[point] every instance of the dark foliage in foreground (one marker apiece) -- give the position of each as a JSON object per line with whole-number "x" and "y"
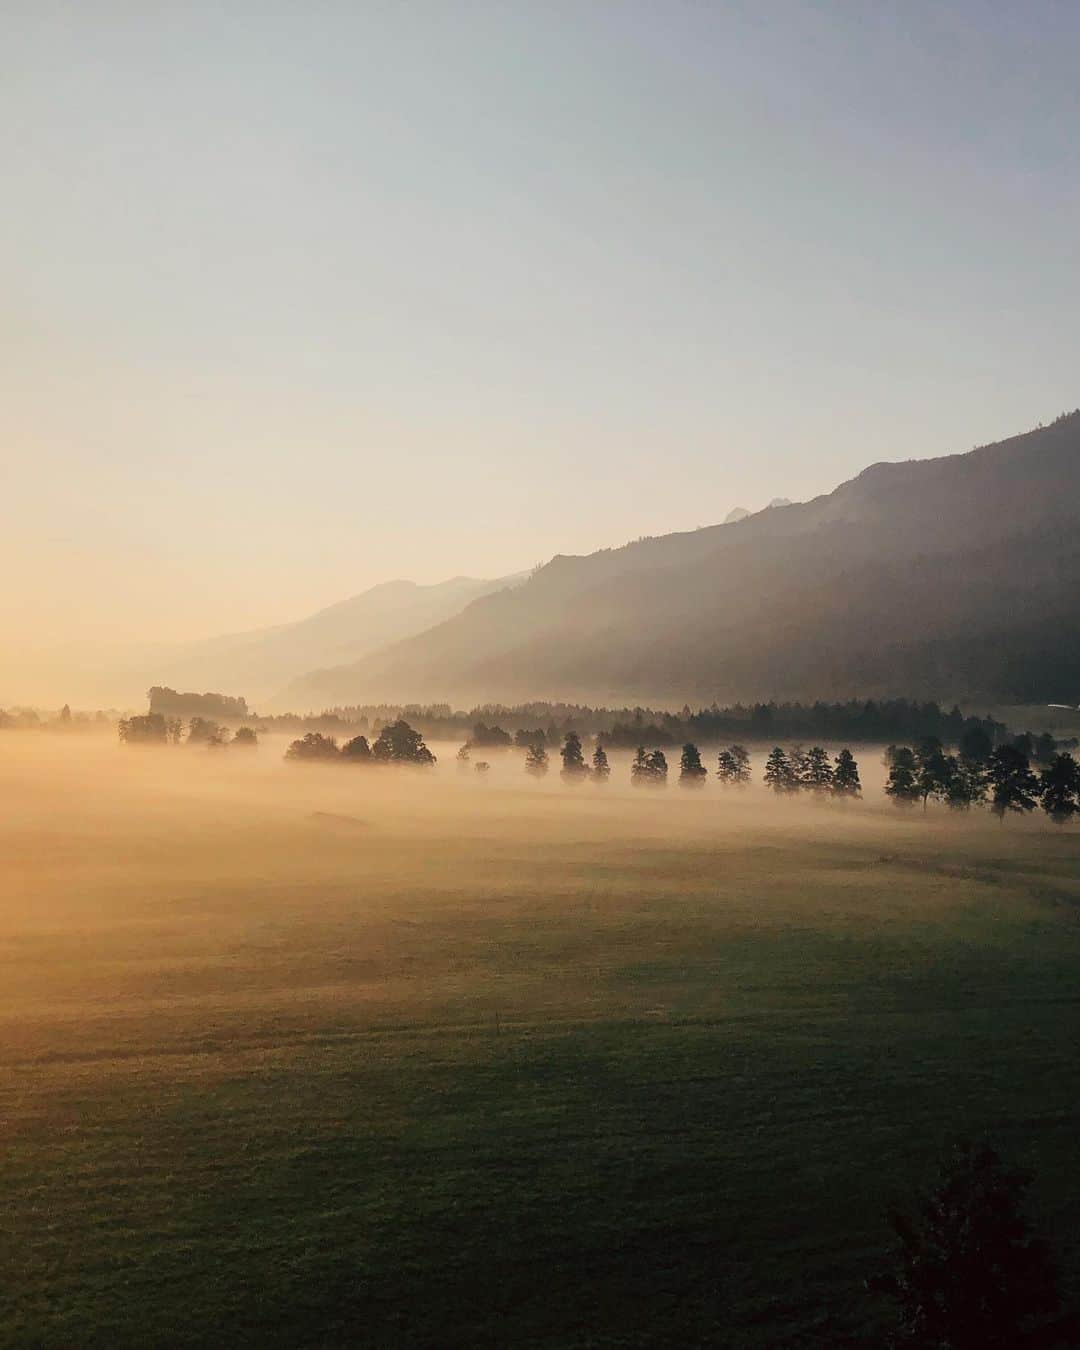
{"x": 971, "y": 1274}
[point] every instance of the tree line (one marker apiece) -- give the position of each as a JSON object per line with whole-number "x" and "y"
{"x": 980, "y": 773}
{"x": 397, "y": 743}
{"x": 976, "y": 773}
{"x": 156, "y": 729}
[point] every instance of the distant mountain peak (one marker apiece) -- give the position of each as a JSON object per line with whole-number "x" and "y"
{"x": 736, "y": 514}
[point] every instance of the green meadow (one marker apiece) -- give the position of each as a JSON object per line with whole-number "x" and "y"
{"x": 298, "y": 1056}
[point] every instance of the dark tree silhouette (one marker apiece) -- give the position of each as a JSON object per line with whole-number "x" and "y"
{"x": 357, "y": 751}
{"x": 815, "y": 771}
{"x": 203, "y": 731}
{"x": 490, "y": 738}
{"x": 639, "y": 769}
{"x": 845, "y": 779}
{"x": 246, "y": 738}
{"x": 656, "y": 769}
{"x": 536, "y": 759}
{"x": 601, "y": 769}
{"x": 1059, "y": 788}
{"x": 975, "y": 744}
{"x": 150, "y": 729}
{"x": 691, "y": 770}
{"x": 780, "y": 773}
{"x": 398, "y": 743}
{"x": 313, "y": 746}
{"x": 733, "y": 766}
{"x": 1013, "y": 786}
{"x": 902, "y": 785}
{"x": 523, "y": 737}
{"x": 573, "y": 759}
{"x": 971, "y": 1274}
{"x": 934, "y": 770}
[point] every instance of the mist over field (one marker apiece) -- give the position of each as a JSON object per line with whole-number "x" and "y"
{"x": 540, "y": 676}
{"x": 305, "y": 1054}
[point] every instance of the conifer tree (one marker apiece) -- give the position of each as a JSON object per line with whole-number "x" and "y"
{"x": 902, "y": 786}
{"x": 536, "y": 759}
{"x": 779, "y": 772}
{"x": 725, "y": 767}
{"x": 639, "y": 769}
{"x": 691, "y": 770}
{"x": 742, "y": 764}
{"x": 601, "y": 769}
{"x": 573, "y": 759}
{"x": 815, "y": 770}
{"x": 1013, "y": 786}
{"x": 845, "y": 779}
{"x": 657, "y": 769}
{"x": 1059, "y": 787}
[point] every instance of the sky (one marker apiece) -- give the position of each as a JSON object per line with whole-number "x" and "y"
{"x": 299, "y": 298}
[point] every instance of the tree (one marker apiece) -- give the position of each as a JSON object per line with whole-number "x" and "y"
{"x": 245, "y": 738}
{"x": 490, "y": 738}
{"x": 536, "y": 759}
{"x": 975, "y": 744}
{"x": 357, "y": 751}
{"x": 463, "y": 757}
{"x": 174, "y": 729}
{"x": 1059, "y": 788}
{"x": 902, "y": 785}
{"x": 933, "y": 770}
{"x": 733, "y": 766}
{"x": 313, "y": 746}
{"x": 815, "y": 771}
{"x": 573, "y": 759}
{"x": 203, "y": 731}
{"x": 523, "y": 737}
{"x": 147, "y": 730}
{"x": 639, "y": 769}
{"x": 779, "y": 771}
{"x": 845, "y": 779}
{"x": 399, "y": 743}
{"x": 971, "y": 1274}
{"x": 691, "y": 770}
{"x": 601, "y": 769}
{"x": 657, "y": 769}
{"x": 741, "y": 757}
{"x": 1013, "y": 786}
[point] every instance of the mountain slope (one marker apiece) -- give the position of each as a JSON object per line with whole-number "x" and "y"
{"x": 260, "y": 662}
{"x": 951, "y": 577}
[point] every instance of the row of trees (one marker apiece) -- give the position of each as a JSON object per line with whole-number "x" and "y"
{"x": 397, "y": 743}
{"x": 979, "y": 774}
{"x": 797, "y": 769}
{"x": 157, "y": 729}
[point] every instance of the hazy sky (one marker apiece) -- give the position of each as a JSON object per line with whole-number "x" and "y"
{"x": 300, "y": 297}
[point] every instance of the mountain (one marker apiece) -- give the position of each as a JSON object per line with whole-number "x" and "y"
{"x": 254, "y": 664}
{"x": 955, "y": 577}
{"x": 258, "y": 663}
{"x": 736, "y": 513}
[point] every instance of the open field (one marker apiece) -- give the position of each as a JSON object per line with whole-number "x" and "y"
{"x": 335, "y": 1056}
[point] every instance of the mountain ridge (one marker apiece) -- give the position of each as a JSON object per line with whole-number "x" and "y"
{"x": 773, "y": 604}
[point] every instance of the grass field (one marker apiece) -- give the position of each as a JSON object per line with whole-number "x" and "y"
{"x": 320, "y": 1057}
